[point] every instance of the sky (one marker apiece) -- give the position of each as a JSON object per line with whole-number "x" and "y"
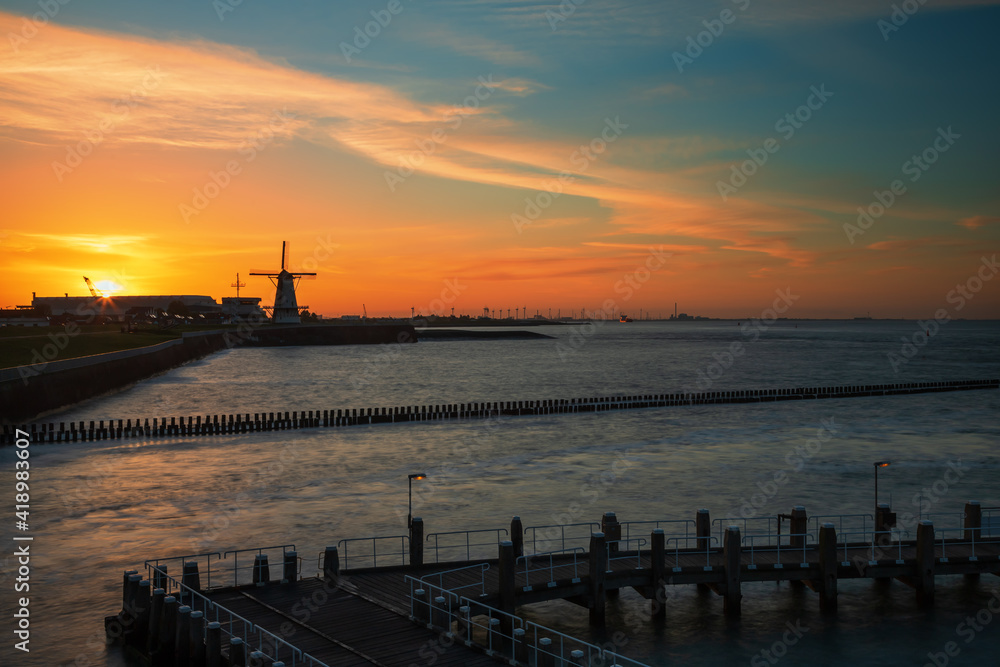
{"x": 474, "y": 154}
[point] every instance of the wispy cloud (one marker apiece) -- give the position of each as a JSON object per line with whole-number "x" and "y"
{"x": 977, "y": 221}
{"x": 466, "y": 43}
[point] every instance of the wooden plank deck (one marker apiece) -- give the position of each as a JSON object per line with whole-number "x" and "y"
{"x": 342, "y": 628}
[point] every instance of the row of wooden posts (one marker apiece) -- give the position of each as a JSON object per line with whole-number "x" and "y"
{"x": 112, "y": 429}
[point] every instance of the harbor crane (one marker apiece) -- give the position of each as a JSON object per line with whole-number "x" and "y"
{"x": 94, "y": 292}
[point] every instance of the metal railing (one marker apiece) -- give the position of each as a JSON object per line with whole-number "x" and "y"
{"x": 990, "y": 522}
{"x": 157, "y": 562}
{"x": 468, "y": 545}
{"x": 773, "y": 545}
{"x": 260, "y": 550}
{"x": 234, "y": 625}
{"x": 771, "y": 525}
{"x": 816, "y": 522}
{"x": 707, "y": 551}
{"x": 871, "y": 539}
{"x": 939, "y": 538}
{"x": 615, "y": 547}
{"x": 556, "y": 534}
{"x": 689, "y": 527}
{"x": 939, "y": 518}
{"x": 398, "y": 557}
{"x": 481, "y": 584}
{"x": 528, "y": 559}
{"x": 506, "y": 636}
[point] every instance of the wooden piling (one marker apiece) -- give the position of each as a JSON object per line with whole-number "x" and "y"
{"x": 190, "y": 578}
{"x": 237, "y": 652}
{"x": 925, "y": 563}
{"x": 167, "y": 629}
{"x": 508, "y": 566}
{"x": 732, "y": 551}
{"x": 828, "y": 564}
{"x": 213, "y": 644}
{"x": 612, "y": 530}
{"x": 658, "y": 568}
{"x": 126, "y": 575}
{"x": 546, "y": 658}
{"x": 598, "y": 572}
{"x": 182, "y": 637}
{"x": 416, "y": 542}
{"x": 140, "y": 617}
{"x": 973, "y": 524}
{"x": 261, "y": 570}
{"x": 331, "y": 565}
{"x": 703, "y": 528}
{"x": 520, "y": 653}
{"x": 196, "y": 641}
{"x": 703, "y": 531}
{"x": 290, "y": 567}
{"x": 464, "y": 625}
{"x": 517, "y": 536}
{"x": 155, "y": 619}
{"x": 421, "y": 607}
{"x": 797, "y": 527}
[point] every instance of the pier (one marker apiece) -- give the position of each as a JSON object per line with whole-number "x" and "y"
{"x": 454, "y": 596}
{"x": 214, "y": 425}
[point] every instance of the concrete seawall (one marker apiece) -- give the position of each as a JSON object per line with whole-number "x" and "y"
{"x": 29, "y": 391}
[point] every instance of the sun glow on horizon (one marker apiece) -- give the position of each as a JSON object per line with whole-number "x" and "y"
{"x": 108, "y": 287}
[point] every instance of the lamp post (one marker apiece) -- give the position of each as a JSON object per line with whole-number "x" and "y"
{"x": 878, "y": 464}
{"x": 409, "y": 483}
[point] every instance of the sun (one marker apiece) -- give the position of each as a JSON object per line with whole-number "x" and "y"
{"x": 108, "y": 287}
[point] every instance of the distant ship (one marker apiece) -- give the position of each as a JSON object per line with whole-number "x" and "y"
{"x": 624, "y": 318}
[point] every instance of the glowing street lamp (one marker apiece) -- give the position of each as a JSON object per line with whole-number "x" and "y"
{"x": 878, "y": 464}
{"x": 409, "y": 513}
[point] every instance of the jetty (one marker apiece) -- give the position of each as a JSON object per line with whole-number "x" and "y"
{"x": 214, "y": 425}
{"x": 452, "y": 598}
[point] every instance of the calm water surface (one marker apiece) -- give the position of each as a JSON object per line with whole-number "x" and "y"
{"x": 100, "y": 508}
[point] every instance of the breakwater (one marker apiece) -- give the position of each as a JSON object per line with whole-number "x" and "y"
{"x": 26, "y": 391}
{"x": 210, "y": 425}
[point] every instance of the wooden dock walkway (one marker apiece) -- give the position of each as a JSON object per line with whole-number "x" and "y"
{"x": 463, "y": 612}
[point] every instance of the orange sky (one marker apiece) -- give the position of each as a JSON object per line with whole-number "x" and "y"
{"x": 157, "y": 115}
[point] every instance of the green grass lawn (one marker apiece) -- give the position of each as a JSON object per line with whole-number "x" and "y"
{"x": 26, "y": 345}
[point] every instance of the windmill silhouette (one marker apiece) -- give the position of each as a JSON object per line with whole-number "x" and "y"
{"x": 286, "y": 309}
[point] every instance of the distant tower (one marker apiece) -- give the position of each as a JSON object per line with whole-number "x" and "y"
{"x": 238, "y": 285}
{"x": 286, "y": 308}
{"x": 675, "y": 310}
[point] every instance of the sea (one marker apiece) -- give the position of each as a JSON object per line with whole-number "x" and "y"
{"x": 100, "y": 508}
